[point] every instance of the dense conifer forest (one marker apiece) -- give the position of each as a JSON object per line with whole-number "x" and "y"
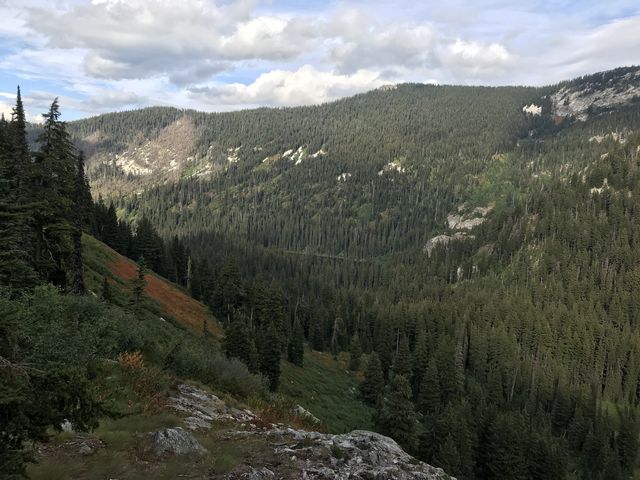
{"x": 477, "y": 263}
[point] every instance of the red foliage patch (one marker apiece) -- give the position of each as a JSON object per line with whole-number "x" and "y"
{"x": 172, "y": 300}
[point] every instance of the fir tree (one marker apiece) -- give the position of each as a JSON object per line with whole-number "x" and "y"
{"x": 317, "y": 336}
{"x": 429, "y": 396}
{"x": 75, "y": 277}
{"x": 16, "y": 269}
{"x": 20, "y": 170}
{"x": 106, "y": 293}
{"x": 373, "y": 384}
{"x": 237, "y": 340}
{"x": 627, "y": 442}
{"x": 138, "y": 284}
{"x": 397, "y": 417}
{"x": 355, "y": 352}
{"x": 448, "y": 456}
{"x": 149, "y": 245}
{"x": 270, "y": 358}
{"x": 420, "y": 362}
{"x": 295, "y": 348}
{"x": 336, "y": 335}
{"x": 229, "y": 291}
{"x": 54, "y": 177}
{"x": 402, "y": 361}
{"x": 386, "y": 346}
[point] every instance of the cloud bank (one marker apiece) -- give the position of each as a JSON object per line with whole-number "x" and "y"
{"x": 104, "y": 55}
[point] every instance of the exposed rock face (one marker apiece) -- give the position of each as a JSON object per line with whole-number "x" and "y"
{"x": 463, "y": 221}
{"x": 356, "y": 455}
{"x": 470, "y": 220}
{"x": 176, "y": 441}
{"x": 458, "y": 222}
{"x": 596, "y": 94}
{"x": 533, "y": 110}
{"x": 444, "y": 240}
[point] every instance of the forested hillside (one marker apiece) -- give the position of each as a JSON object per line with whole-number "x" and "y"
{"x": 472, "y": 250}
{"x": 481, "y": 241}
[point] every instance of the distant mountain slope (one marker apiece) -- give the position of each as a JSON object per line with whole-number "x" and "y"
{"x": 371, "y": 175}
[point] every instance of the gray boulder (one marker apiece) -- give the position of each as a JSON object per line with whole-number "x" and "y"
{"x": 174, "y": 441}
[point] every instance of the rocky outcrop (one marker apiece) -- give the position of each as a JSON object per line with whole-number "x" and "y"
{"x": 444, "y": 240}
{"x": 282, "y": 452}
{"x": 173, "y": 441}
{"x": 468, "y": 220}
{"x": 597, "y": 93}
{"x": 533, "y": 110}
{"x": 202, "y": 408}
{"x": 463, "y": 220}
{"x": 356, "y": 455}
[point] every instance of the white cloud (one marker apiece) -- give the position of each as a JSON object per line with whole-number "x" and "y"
{"x": 304, "y": 86}
{"x": 7, "y": 102}
{"x": 384, "y": 47}
{"x": 139, "y": 38}
{"x": 475, "y": 58}
{"x": 225, "y": 54}
{"x": 5, "y": 109}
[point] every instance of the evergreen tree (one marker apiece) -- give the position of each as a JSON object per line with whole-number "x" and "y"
{"x": 106, "y": 293}
{"x": 295, "y": 348}
{"x": 448, "y": 455}
{"x": 109, "y": 228}
{"x": 54, "y": 177}
{"x": 137, "y": 285}
{"x": 149, "y": 245}
{"x": 270, "y": 357}
{"x": 237, "y": 340}
{"x": 505, "y": 448}
{"x": 397, "y": 417}
{"x": 16, "y": 269}
{"x": 402, "y": 361}
{"x": 627, "y": 443}
{"x": 20, "y": 168}
{"x": 317, "y": 336}
{"x": 75, "y": 276}
{"x": 386, "y": 346}
{"x": 229, "y": 291}
{"x": 355, "y": 352}
{"x": 420, "y": 362}
{"x": 429, "y": 396}
{"x": 372, "y": 385}
{"x": 337, "y": 333}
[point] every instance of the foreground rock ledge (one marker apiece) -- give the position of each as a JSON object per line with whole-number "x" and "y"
{"x": 290, "y": 453}
{"x": 356, "y": 455}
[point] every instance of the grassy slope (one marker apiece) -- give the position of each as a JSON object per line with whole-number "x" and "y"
{"x": 324, "y": 386}
{"x": 167, "y": 299}
{"x": 327, "y": 389}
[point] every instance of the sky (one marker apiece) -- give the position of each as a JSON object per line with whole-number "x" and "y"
{"x": 100, "y": 56}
